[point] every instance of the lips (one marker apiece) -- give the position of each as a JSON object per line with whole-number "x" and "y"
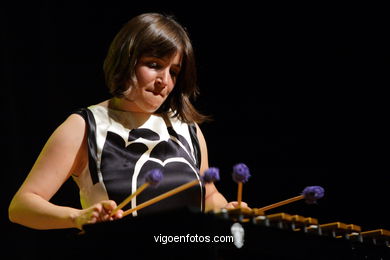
{"x": 156, "y": 93}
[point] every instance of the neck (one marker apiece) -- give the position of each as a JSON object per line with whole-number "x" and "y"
{"x": 122, "y": 104}
{"x": 125, "y": 105}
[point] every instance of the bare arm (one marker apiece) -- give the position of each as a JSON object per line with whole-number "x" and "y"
{"x": 214, "y": 199}
{"x": 64, "y": 154}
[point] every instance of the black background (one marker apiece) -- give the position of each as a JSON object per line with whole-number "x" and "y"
{"x": 297, "y": 93}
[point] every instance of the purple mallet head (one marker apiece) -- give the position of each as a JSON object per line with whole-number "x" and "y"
{"x": 153, "y": 177}
{"x": 211, "y": 175}
{"x": 313, "y": 193}
{"x": 241, "y": 173}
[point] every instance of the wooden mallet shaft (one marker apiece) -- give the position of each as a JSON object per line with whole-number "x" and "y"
{"x": 130, "y": 197}
{"x": 281, "y": 203}
{"x": 239, "y": 194}
{"x": 162, "y": 196}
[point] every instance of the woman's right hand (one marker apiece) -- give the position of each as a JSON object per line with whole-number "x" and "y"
{"x": 97, "y": 213}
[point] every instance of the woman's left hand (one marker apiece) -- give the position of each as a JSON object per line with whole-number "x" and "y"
{"x": 234, "y": 205}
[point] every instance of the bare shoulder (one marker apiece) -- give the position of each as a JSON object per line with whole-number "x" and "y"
{"x": 65, "y": 150}
{"x": 68, "y": 140}
{"x": 74, "y": 121}
{"x": 203, "y": 150}
{"x": 200, "y": 135}
{"x": 71, "y": 129}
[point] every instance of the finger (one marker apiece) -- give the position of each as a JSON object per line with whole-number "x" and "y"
{"x": 229, "y": 206}
{"x": 244, "y": 205}
{"x": 98, "y": 212}
{"x": 105, "y": 217}
{"x": 109, "y": 205}
{"x": 98, "y": 207}
{"x": 118, "y": 214}
{"x": 234, "y": 204}
{"x": 93, "y": 217}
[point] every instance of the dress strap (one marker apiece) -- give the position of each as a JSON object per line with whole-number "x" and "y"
{"x": 91, "y": 140}
{"x": 195, "y": 143}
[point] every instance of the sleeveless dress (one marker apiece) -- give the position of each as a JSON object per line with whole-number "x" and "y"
{"x": 120, "y": 157}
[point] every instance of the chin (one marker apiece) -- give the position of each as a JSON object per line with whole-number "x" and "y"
{"x": 152, "y": 109}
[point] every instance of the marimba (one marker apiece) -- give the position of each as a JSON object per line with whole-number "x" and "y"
{"x": 273, "y": 236}
{"x": 369, "y": 244}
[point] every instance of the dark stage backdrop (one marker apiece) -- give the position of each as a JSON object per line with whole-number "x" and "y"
{"x": 296, "y": 93}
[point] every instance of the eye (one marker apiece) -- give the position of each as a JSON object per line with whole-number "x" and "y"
{"x": 153, "y": 65}
{"x": 174, "y": 73}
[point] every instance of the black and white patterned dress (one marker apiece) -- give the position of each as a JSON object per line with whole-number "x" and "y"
{"x": 120, "y": 157}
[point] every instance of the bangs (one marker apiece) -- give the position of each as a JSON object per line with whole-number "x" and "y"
{"x": 159, "y": 50}
{"x": 161, "y": 40}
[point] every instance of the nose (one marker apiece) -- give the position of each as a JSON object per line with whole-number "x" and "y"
{"x": 163, "y": 78}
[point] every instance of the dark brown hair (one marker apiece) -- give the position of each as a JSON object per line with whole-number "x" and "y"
{"x": 154, "y": 34}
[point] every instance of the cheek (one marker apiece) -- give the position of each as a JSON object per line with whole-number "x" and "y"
{"x": 144, "y": 75}
{"x": 170, "y": 88}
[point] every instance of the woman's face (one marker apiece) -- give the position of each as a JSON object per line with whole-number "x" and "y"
{"x": 155, "y": 79}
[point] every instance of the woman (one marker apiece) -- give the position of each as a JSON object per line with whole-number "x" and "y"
{"x": 109, "y": 147}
